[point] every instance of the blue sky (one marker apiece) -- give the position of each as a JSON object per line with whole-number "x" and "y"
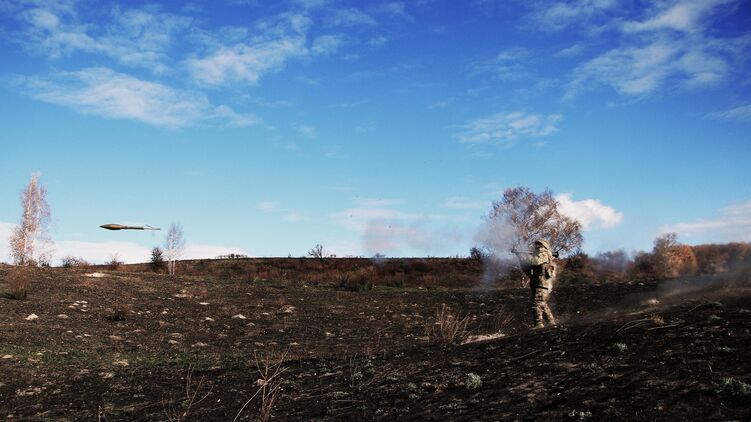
{"x": 268, "y": 127}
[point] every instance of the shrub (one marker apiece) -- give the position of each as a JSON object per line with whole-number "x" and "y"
{"x": 473, "y": 381}
{"x": 17, "y": 282}
{"x": 733, "y": 387}
{"x": 73, "y": 262}
{"x": 447, "y": 328}
{"x": 359, "y": 280}
{"x": 157, "y": 262}
{"x": 114, "y": 263}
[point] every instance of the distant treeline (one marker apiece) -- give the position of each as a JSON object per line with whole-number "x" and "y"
{"x": 668, "y": 259}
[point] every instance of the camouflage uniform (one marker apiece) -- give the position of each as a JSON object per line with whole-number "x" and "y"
{"x": 541, "y": 274}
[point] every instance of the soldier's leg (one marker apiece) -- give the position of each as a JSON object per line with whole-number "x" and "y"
{"x": 538, "y": 303}
{"x": 547, "y": 313}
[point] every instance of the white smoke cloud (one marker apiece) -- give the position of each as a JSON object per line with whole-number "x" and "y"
{"x": 591, "y": 213}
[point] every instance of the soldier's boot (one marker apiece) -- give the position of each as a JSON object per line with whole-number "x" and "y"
{"x": 549, "y": 316}
{"x": 537, "y": 317}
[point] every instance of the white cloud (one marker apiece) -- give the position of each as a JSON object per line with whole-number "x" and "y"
{"x": 635, "y": 71}
{"x": 733, "y": 223}
{"x": 506, "y": 65}
{"x": 740, "y": 113}
{"x": 103, "y": 92}
{"x": 505, "y": 128}
{"x": 591, "y": 213}
{"x": 5, "y": 231}
{"x": 669, "y": 48}
{"x": 358, "y": 218}
{"x": 326, "y": 44}
{"x": 307, "y": 131}
{"x": 101, "y": 252}
{"x": 685, "y": 16}
{"x": 372, "y": 203}
{"x": 461, "y": 203}
{"x": 133, "y": 37}
{"x": 246, "y": 63}
{"x": 351, "y": 17}
{"x": 556, "y": 16}
{"x": 268, "y": 206}
{"x": 271, "y": 207}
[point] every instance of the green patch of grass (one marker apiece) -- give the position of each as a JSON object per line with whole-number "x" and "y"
{"x": 732, "y": 387}
{"x": 618, "y": 348}
{"x": 473, "y": 381}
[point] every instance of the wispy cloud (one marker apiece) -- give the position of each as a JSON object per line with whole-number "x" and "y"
{"x": 740, "y": 114}
{"x": 327, "y": 44}
{"x": 559, "y": 15}
{"x": 350, "y": 17}
{"x": 248, "y": 62}
{"x": 506, "y": 128}
{"x": 138, "y": 37}
{"x": 273, "y": 207}
{"x": 685, "y": 16}
{"x": 461, "y": 203}
{"x": 506, "y": 65}
{"x": 106, "y": 93}
{"x": 307, "y": 131}
{"x": 668, "y": 48}
{"x": 591, "y": 213}
{"x": 732, "y": 223}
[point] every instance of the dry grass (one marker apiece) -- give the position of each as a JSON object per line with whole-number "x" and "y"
{"x": 17, "y": 282}
{"x": 447, "y": 328}
{"x": 270, "y": 371}
{"x": 192, "y": 391}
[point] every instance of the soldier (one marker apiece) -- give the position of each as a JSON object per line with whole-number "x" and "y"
{"x": 541, "y": 271}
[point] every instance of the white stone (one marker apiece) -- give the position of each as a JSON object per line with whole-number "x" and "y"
{"x": 239, "y": 316}
{"x": 32, "y": 317}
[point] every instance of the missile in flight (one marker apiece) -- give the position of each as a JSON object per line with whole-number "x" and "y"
{"x": 121, "y": 227}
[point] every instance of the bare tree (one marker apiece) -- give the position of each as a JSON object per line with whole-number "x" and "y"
{"x": 174, "y": 244}
{"x": 523, "y": 216}
{"x": 317, "y": 252}
{"x": 30, "y": 243}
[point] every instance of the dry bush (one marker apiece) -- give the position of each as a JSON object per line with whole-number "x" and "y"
{"x": 192, "y": 391}
{"x": 447, "y": 328}
{"x": 114, "y": 262}
{"x": 270, "y": 371}
{"x": 359, "y": 280}
{"x": 17, "y": 282}
{"x": 74, "y": 262}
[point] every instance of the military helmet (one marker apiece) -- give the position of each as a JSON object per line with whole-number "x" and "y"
{"x": 543, "y": 242}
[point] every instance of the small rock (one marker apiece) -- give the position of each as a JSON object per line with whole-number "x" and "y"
{"x": 239, "y": 316}
{"x": 121, "y": 363}
{"x": 199, "y": 344}
{"x": 116, "y": 338}
{"x": 96, "y": 275}
{"x": 32, "y": 317}
{"x": 210, "y": 319}
{"x": 62, "y": 316}
{"x": 203, "y": 303}
{"x": 173, "y": 342}
{"x": 7, "y": 356}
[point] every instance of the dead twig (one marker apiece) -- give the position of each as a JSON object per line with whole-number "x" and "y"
{"x": 191, "y": 393}
{"x": 268, "y": 386}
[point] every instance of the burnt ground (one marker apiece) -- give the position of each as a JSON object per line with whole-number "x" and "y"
{"x": 120, "y": 347}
